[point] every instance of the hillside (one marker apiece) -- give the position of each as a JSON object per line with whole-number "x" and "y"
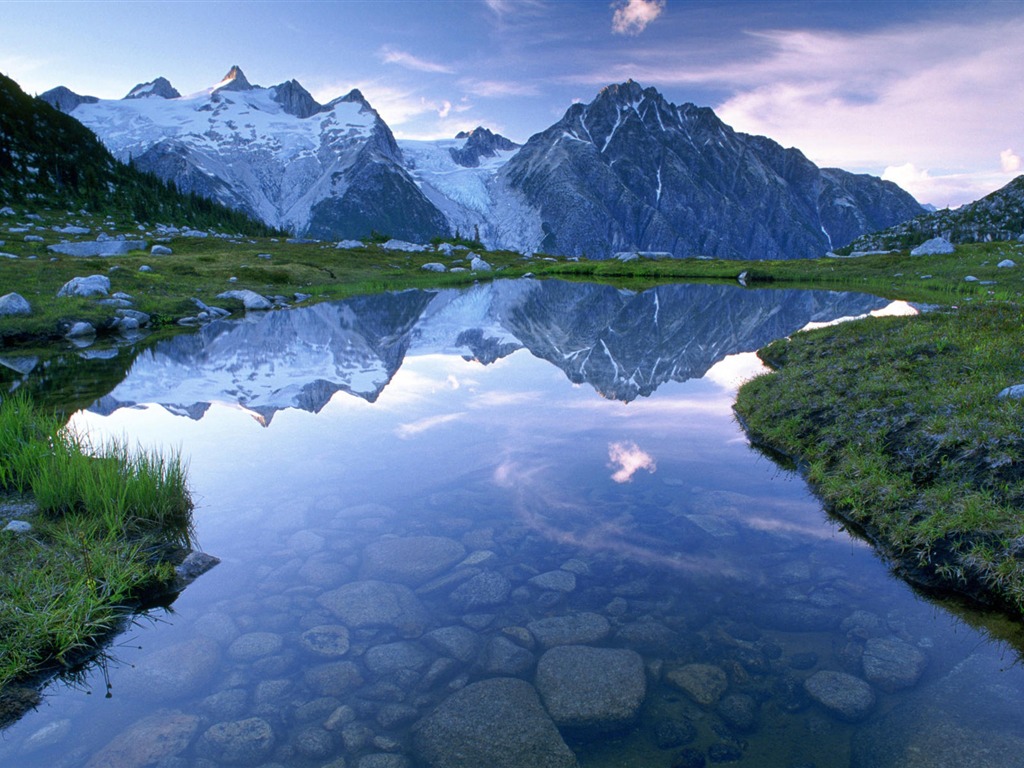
{"x": 48, "y": 159}
{"x": 995, "y": 217}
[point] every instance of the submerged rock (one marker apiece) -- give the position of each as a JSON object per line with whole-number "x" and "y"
{"x": 893, "y": 664}
{"x": 498, "y": 723}
{"x": 149, "y": 741}
{"x": 704, "y": 683}
{"x": 373, "y": 603}
{"x": 573, "y": 629}
{"x": 484, "y": 590}
{"x": 410, "y": 560}
{"x": 592, "y": 688}
{"x": 847, "y": 697}
{"x": 238, "y": 742}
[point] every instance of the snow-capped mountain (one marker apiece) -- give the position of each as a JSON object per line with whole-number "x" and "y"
{"x": 629, "y": 171}
{"x": 329, "y": 171}
{"x": 622, "y": 343}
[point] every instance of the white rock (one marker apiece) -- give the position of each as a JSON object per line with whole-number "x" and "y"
{"x": 434, "y": 266}
{"x": 14, "y": 304}
{"x": 160, "y": 250}
{"x": 6, "y": 211}
{"x": 402, "y": 245}
{"x": 1006, "y": 263}
{"x": 479, "y": 265}
{"x": 93, "y": 285}
{"x": 249, "y": 299}
{"x": 934, "y": 247}
{"x": 80, "y": 329}
{"x": 347, "y": 244}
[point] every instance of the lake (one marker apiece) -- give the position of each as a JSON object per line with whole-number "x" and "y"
{"x": 516, "y": 525}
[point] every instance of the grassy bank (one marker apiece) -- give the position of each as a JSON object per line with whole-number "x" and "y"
{"x": 103, "y": 527}
{"x": 898, "y": 425}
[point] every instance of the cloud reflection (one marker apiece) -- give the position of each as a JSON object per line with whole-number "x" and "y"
{"x": 629, "y": 459}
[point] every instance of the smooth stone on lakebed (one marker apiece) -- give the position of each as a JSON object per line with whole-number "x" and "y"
{"x": 254, "y": 645}
{"x": 484, "y": 590}
{"x": 326, "y": 640}
{"x": 704, "y": 683}
{"x": 238, "y": 742}
{"x": 591, "y": 688}
{"x": 390, "y": 658}
{"x": 893, "y": 664}
{"x": 556, "y": 581}
{"x": 410, "y": 560}
{"x": 503, "y": 657}
{"x": 457, "y": 642}
{"x": 367, "y": 604}
{"x": 498, "y": 723}
{"x": 572, "y": 629}
{"x": 178, "y": 670}
{"x": 149, "y": 741}
{"x": 847, "y": 697}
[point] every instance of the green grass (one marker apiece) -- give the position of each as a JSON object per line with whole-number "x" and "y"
{"x": 103, "y": 523}
{"x": 900, "y": 429}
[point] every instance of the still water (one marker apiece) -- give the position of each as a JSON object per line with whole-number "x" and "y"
{"x": 512, "y": 526}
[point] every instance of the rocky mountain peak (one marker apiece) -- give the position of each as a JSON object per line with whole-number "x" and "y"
{"x": 296, "y": 100}
{"x": 480, "y": 142}
{"x": 65, "y": 99}
{"x": 161, "y": 87}
{"x": 234, "y": 80}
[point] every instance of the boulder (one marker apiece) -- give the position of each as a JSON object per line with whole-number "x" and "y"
{"x": 1006, "y": 263}
{"x": 1014, "y": 392}
{"x": 178, "y": 670}
{"x": 704, "y": 683}
{"x": 93, "y": 285}
{"x": 498, "y": 723}
{"x": 484, "y": 590}
{"x": 80, "y": 330}
{"x": 160, "y": 250}
{"x": 14, "y": 304}
{"x": 479, "y": 265}
{"x": 149, "y": 741}
{"x": 503, "y": 657}
{"x": 410, "y": 560}
{"x": 457, "y": 642}
{"x": 893, "y": 664}
{"x": 934, "y": 247}
{"x": 238, "y": 742}
{"x": 98, "y": 247}
{"x": 847, "y": 697}
{"x": 392, "y": 658}
{"x": 326, "y": 640}
{"x": 349, "y": 244}
{"x": 572, "y": 629}
{"x": 556, "y": 581}
{"x": 591, "y": 688}
{"x": 370, "y": 603}
{"x": 250, "y": 299}
{"x": 434, "y": 266}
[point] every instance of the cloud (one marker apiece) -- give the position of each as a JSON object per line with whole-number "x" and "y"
{"x": 413, "y": 428}
{"x": 1010, "y": 161}
{"x": 629, "y": 459}
{"x": 631, "y": 17}
{"x": 391, "y": 55}
{"x": 446, "y": 107}
{"x": 492, "y": 88}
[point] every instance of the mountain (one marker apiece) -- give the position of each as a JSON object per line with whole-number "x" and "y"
{"x": 998, "y": 216}
{"x": 629, "y": 171}
{"x": 624, "y": 344}
{"x": 47, "y": 157}
{"x": 324, "y": 171}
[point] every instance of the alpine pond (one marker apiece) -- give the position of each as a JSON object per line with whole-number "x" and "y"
{"x": 512, "y": 526}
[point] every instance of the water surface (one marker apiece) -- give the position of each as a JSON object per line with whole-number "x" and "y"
{"x": 413, "y": 494}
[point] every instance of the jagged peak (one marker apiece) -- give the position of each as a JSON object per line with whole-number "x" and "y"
{"x": 480, "y": 142}
{"x": 64, "y": 99}
{"x": 160, "y": 87}
{"x": 296, "y": 100}
{"x": 234, "y": 80}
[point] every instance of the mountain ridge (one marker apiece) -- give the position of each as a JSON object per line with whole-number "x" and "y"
{"x": 627, "y": 172}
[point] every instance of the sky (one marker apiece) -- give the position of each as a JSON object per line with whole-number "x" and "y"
{"x": 926, "y": 93}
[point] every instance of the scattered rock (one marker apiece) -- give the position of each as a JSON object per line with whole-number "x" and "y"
{"x": 326, "y": 640}
{"x": 482, "y": 591}
{"x": 98, "y": 247}
{"x": 1006, "y": 263}
{"x": 80, "y": 330}
{"x": 402, "y": 245}
{"x": 458, "y": 642}
{"x": 410, "y": 560}
{"x": 704, "y": 683}
{"x": 847, "y": 697}
{"x": 18, "y": 526}
{"x": 505, "y": 658}
{"x": 1015, "y": 392}
{"x": 14, "y": 304}
{"x": 250, "y": 299}
{"x": 377, "y": 604}
{"x": 591, "y": 688}
{"x": 571, "y": 629}
{"x": 556, "y": 581}
{"x": 739, "y": 711}
{"x": 238, "y": 742}
{"x": 93, "y": 285}
{"x": 349, "y": 244}
{"x": 479, "y": 265}
{"x": 33, "y": 239}
{"x": 181, "y": 669}
{"x": 893, "y": 664}
{"x": 391, "y": 658}
{"x": 254, "y": 645}
{"x": 434, "y": 266}
{"x": 498, "y": 723}
{"x": 160, "y": 250}
{"x": 934, "y": 247}
{"x": 149, "y": 741}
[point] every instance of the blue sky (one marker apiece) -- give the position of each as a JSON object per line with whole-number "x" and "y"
{"x": 924, "y": 93}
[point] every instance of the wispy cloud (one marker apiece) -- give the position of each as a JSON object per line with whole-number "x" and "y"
{"x": 413, "y": 428}
{"x": 629, "y": 459}
{"x": 631, "y": 17}
{"x": 405, "y": 59}
{"x": 493, "y": 88}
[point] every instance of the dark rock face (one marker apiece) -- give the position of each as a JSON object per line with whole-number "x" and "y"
{"x": 65, "y": 99}
{"x": 161, "y": 88}
{"x": 630, "y": 171}
{"x": 296, "y": 100}
{"x": 480, "y": 143}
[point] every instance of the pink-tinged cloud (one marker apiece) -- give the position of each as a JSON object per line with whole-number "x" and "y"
{"x": 631, "y": 17}
{"x": 629, "y": 459}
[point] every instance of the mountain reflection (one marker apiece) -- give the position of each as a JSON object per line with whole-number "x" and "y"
{"x": 622, "y": 343}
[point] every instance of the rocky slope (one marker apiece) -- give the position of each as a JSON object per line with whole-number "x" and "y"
{"x": 998, "y": 216}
